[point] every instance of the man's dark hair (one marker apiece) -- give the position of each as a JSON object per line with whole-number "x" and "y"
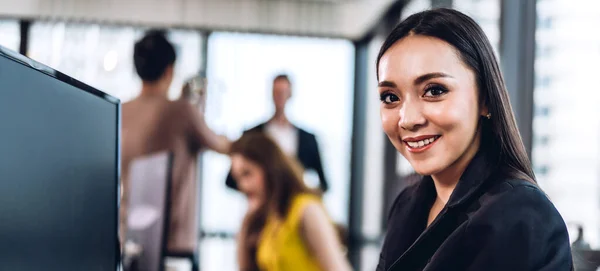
{"x": 152, "y": 55}
{"x": 282, "y": 77}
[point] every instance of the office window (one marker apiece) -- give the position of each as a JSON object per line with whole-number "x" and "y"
{"x": 487, "y": 14}
{"x": 544, "y": 22}
{"x": 566, "y": 167}
{"x": 376, "y": 187}
{"x": 218, "y": 254}
{"x": 240, "y": 74}
{"x": 102, "y": 55}
{"x": 10, "y": 35}
{"x": 542, "y": 139}
{"x": 542, "y": 111}
{"x": 541, "y": 170}
{"x": 414, "y": 6}
{"x": 370, "y": 257}
{"x": 543, "y": 51}
{"x": 543, "y": 82}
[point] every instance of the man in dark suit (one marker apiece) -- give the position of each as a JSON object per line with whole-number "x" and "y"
{"x": 294, "y": 141}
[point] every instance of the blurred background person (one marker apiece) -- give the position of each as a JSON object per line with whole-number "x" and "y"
{"x": 152, "y": 123}
{"x": 286, "y": 226}
{"x": 293, "y": 141}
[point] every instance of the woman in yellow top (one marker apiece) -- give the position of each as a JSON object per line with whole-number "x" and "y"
{"x": 286, "y": 227}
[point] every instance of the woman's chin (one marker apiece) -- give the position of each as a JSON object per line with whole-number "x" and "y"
{"x": 424, "y": 169}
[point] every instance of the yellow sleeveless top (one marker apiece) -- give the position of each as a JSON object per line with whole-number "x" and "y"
{"x": 281, "y": 247}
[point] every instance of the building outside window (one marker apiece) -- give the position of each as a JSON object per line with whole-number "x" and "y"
{"x": 566, "y": 149}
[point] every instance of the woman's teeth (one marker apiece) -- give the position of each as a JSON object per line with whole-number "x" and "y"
{"x": 421, "y": 143}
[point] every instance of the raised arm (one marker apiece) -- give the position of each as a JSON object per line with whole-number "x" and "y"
{"x": 201, "y": 134}
{"x": 322, "y": 240}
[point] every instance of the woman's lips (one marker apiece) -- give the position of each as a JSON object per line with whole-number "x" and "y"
{"x": 420, "y": 143}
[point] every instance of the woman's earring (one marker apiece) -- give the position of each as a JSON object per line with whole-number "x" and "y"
{"x": 488, "y": 116}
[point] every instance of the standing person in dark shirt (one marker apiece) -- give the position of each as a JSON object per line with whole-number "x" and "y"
{"x": 294, "y": 141}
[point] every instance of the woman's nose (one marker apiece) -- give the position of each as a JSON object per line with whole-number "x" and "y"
{"x": 411, "y": 116}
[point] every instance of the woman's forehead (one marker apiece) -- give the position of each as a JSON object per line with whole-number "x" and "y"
{"x": 416, "y": 55}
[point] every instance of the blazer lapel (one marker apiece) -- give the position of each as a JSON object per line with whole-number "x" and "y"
{"x": 469, "y": 188}
{"x": 412, "y": 258}
{"x": 418, "y": 254}
{"x": 413, "y": 214}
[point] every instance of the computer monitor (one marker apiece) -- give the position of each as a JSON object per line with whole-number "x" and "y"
{"x": 59, "y": 170}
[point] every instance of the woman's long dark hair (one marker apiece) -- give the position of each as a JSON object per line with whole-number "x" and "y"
{"x": 500, "y": 136}
{"x": 283, "y": 181}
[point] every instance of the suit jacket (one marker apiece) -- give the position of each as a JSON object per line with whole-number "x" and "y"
{"x": 308, "y": 155}
{"x": 490, "y": 222}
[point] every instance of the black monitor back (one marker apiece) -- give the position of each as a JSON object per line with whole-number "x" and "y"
{"x": 59, "y": 170}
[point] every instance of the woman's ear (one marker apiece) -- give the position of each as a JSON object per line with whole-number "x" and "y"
{"x": 484, "y": 111}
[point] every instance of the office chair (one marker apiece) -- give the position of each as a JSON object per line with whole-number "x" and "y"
{"x": 148, "y": 212}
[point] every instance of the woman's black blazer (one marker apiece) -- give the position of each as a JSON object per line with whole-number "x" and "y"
{"x": 489, "y": 223}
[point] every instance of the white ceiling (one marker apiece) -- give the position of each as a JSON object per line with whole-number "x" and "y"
{"x": 335, "y": 18}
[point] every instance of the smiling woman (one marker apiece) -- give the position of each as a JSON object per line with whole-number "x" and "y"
{"x": 443, "y": 94}
{"x": 445, "y": 108}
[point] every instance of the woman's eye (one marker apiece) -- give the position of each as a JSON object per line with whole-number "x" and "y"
{"x": 435, "y": 91}
{"x": 388, "y": 98}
